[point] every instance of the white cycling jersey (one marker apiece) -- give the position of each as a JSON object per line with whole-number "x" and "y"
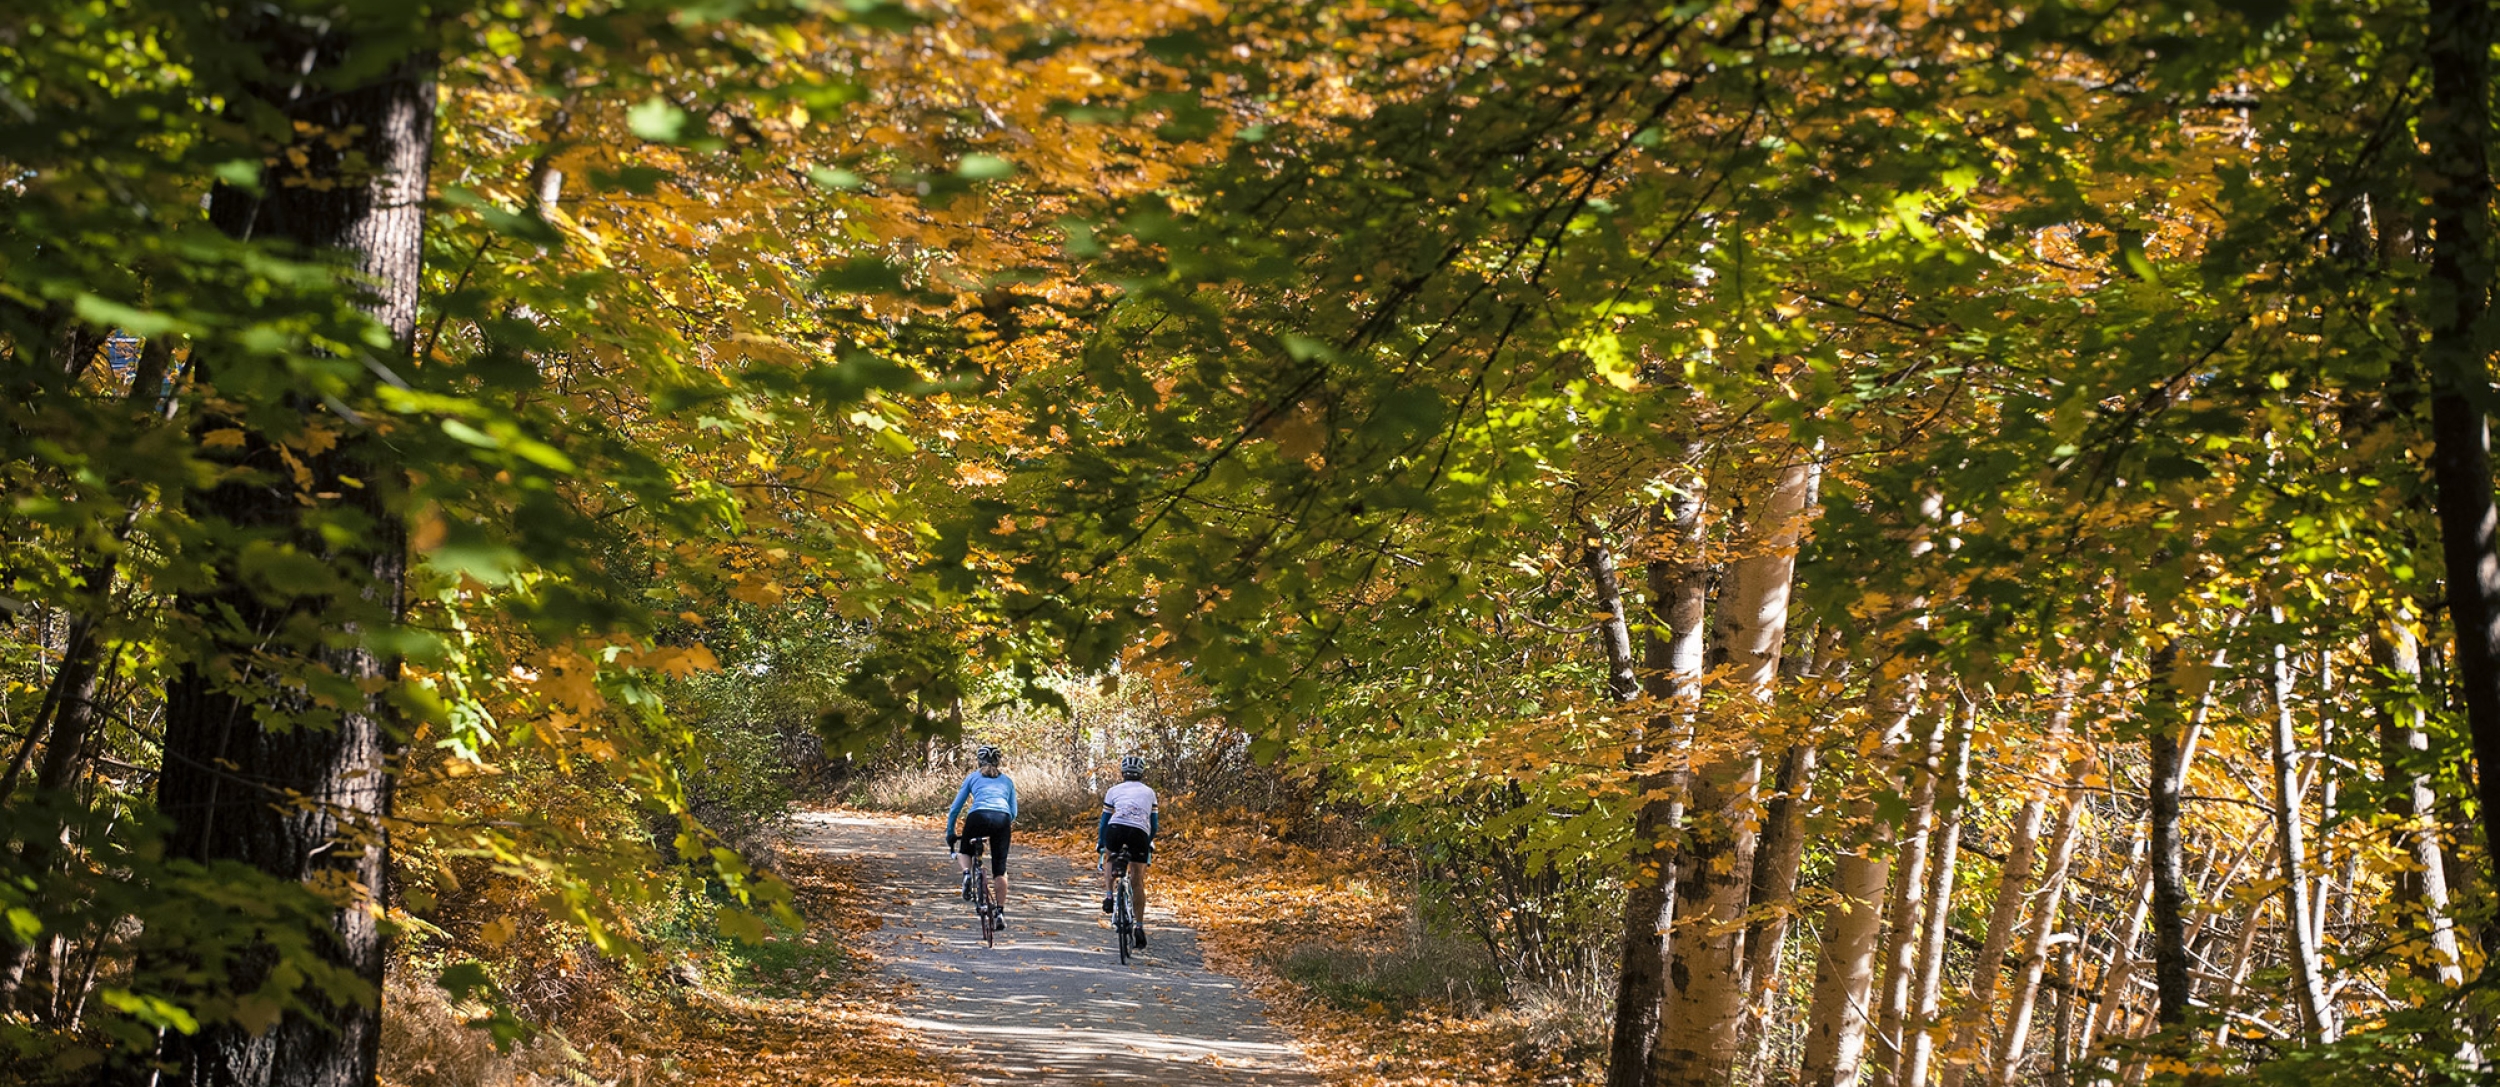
{"x": 1132, "y": 804}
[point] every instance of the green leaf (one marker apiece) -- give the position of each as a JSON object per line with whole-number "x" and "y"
{"x": 984, "y": 168}
{"x": 657, "y": 119}
{"x": 243, "y": 174}
{"x": 860, "y": 275}
{"x": 110, "y": 314}
{"x": 464, "y": 979}
{"x": 836, "y": 178}
{"x": 472, "y": 435}
{"x": 154, "y": 1011}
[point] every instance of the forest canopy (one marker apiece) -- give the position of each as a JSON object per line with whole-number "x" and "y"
{"x": 1871, "y": 543}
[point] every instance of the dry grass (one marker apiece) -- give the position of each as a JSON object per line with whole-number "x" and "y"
{"x": 1049, "y": 795}
{"x": 1564, "y": 1026}
{"x": 426, "y": 1043}
{"x": 1426, "y": 973}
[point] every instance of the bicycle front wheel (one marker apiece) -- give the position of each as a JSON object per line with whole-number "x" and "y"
{"x": 989, "y": 916}
{"x": 1125, "y": 924}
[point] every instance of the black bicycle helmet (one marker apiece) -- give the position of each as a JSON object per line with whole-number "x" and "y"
{"x": 988, "y": 755}
{"x": 1132, "y": 767}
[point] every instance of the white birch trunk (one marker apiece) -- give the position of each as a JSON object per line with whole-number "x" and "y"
{"x": 1842, "y": 1010}
{"x": 1701, "y": 1031}
{"x": 2042, "y": 938}
{"x": 2308, "y": 974}
{"x": 1844, "y": 972}
{"x": 1920, "y": 1039}
{"x": 2402, "y": 739}
{"x": 1909, "y": 900}
{"x": 2121, "y": 964}
{"x": 2012, "y": 880}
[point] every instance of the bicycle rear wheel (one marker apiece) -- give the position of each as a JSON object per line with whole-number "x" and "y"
{"x": 1122, "y": 923}
{"x": 989, "y": 916}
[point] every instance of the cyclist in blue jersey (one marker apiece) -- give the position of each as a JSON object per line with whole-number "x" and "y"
{"x": 1130, "y": 820}
{"x": 991, "y": 798}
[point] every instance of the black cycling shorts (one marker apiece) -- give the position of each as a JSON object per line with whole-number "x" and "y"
{"x": 1139, "y": 844}
{"x": 998, "y": 827}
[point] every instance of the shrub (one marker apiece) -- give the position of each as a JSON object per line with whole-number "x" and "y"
{"x": 1431, "y": 972}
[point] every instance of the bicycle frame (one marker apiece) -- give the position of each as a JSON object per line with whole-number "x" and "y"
{"x": 1123, "y": 918}
{"x": 981, "y": 892}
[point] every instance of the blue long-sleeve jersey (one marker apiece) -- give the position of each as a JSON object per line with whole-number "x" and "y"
{"x": 983, "y": 793}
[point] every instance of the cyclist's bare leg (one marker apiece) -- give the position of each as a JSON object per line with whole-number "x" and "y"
{"x": 1137, "y": 889}
{"x": 998, "y": 897}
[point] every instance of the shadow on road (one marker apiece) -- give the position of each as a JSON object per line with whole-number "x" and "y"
{"x": 1051, "y": 1004}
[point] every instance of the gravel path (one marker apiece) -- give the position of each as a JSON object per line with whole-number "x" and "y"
{"x": 1051, "y": 1004}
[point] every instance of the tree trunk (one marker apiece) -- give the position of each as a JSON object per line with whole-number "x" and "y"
{"x": 2309, "y": 982}
{"x": 2120, "y": 969}
{"x": 2330, "y": 790}
{"x": 2242, "y": 959}
{"x": 1774, "y": 889}
{"x": 1919, "y": 1042}
{"x": 68, "y": 712}
{"x": 2403, "y": 756}
{"x": 2042, "y": 939}
{"x": 2169, "y": 857}
{"x": 258, "y": 770}
{"x": 1673, "y": 653}
{"x": 2012, "y": 880}
{"x": 2455, "y": 129}
{"x": 2172, "y": 740}
{"x": 1701, "y": 1032}
{"x": 1841, "y": 1012}
{"x": 1909, "y": 899}
{"x": 1844, "y": 971}
{"x": 2062, "y": 1037}
{"x": 1614, "y": 633}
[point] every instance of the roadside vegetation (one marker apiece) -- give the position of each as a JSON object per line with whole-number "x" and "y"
{"x": 1717, "y": 544}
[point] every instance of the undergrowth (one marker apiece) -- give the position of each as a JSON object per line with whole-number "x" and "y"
{"x": 1050, "y": 794}
{"x": 1434, "y": 972}
{"x": 698, "y": 1010}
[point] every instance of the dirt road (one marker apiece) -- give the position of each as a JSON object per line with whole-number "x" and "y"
{"x": 1051, "y": 1004}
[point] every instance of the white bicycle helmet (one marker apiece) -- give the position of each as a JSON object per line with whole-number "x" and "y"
{"x": 1132, "y": 767}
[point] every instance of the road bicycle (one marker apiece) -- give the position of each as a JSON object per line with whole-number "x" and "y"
{"x": 1124, "y": 919}
{"x": 981, "y": 906}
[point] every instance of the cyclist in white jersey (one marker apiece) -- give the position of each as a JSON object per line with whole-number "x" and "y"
{"x": 1129, "y": 821}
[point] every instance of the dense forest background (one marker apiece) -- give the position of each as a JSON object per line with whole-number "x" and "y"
{"x": 1825, "y": 542}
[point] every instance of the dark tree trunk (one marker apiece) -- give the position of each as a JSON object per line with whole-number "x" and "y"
{"x": 275, "y": 728}
{"x": 1672, "y": 652}
{"x": 74, "y": 719}
{"x": 68, "y": 712}
{"x": 1776, "y": 863}
{"x": 2170, "y": 895}
{"x": 67, "y": 719}
{"x": 2455, "y": 128}
{"x": 1614, "y": 630}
